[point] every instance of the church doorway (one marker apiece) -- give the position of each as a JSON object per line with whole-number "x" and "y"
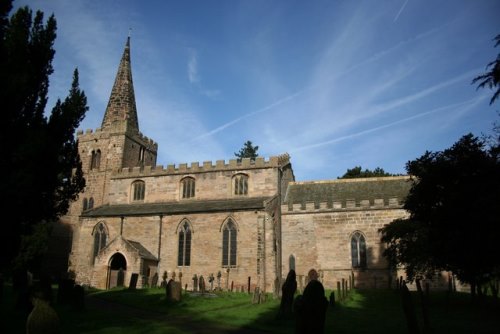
{"x": 117, "y": 271}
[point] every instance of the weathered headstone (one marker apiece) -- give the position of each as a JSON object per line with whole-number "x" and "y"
{"x": 332, "y": 299}
{"x": 195, "y": 282}
{"x": 409, "y": 309}
{"x": 219, "y": 275}
{"x": 256, "y": 295}
{"x": 227, "y": 279}
{"x": 174, "y": 291}
{"x": 287, "y": 295}
{"x": 201, "y": 284}
{"x": 42, "y": 319}
{"x": 211, "y": 281}
{"x": 133, "y": 281}
{"x": 64, "y": 291}
{"x": 154, "y": 281}
{"x": 232, "y": 286}
{"x": 314, "y": 304}
{"x": 180, "y": 277}
{"x": 164, "y": 279}
{"x": 78, "y": 302}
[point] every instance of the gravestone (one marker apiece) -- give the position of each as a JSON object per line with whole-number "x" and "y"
{"x": 133, "y": 281}
{"x": 332, "y": 299}
{"x": 42, "y": 319}
{"x": 65, "y": 291}
{"x": 202, "y": 284}
{"x": 154, "y": 281}
{"x": 211, "y": 281}
{"x": 256, "y": 295}
{"x": 287, "y": 294}
{"x": 174, "y": 291}
{"x": 219, "y": 275}
{"x": 314, "y": 304}
{"x": 180, "y": 277}
{"x": 78, "y": 302}
{"x": 195, "y": 283}
{"x": 164, "y": 279}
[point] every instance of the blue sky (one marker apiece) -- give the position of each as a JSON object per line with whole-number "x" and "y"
{"x": 335, "y": 84}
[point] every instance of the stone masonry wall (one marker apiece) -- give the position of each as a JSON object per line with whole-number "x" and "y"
{"x": 321, "y": 239}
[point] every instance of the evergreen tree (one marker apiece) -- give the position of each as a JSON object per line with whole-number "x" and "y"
{"x": 40, "y": 165}
{"x": 453, "y": 207}
{"x": 358, "y": 172}
{"x": 491, "y": 78}
{"x": 247, "y": 151}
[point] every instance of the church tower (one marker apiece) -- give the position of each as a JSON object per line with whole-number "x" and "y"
{"x": 118, "y": 143}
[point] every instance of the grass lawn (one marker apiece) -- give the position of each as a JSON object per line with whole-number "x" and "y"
{"x": 147, "y": 311}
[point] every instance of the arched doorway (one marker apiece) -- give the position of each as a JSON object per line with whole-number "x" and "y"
{"x": 117, "y": 270}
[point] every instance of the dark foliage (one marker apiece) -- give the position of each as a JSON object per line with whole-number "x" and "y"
{"x": 247, "y": 151}
{"x": 40, "y": 164}
{"x": 358, "y": 172}
{"x": 454, "y": 214}
{"x": 491, "y": 79}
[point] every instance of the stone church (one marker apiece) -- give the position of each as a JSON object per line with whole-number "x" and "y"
{"x": 248, "y": 220}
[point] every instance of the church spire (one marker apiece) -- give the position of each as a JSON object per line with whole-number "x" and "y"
{"x": 121, "y": 106}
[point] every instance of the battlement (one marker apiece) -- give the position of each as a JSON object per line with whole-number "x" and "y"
{"x": 206, "y": 166}
{"x": 91, "y": 134}
{"x": 343, "y": 205}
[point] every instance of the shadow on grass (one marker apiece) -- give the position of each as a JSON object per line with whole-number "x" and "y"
{"x": 147, "y": 311}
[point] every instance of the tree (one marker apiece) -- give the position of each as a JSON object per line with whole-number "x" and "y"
{"x": 248, "y": 151}
{"x": 491, "y": 79}
{"x": 453, "y": 214}
{"x": 40, "y": 165}
{"x": 358, "y": 172}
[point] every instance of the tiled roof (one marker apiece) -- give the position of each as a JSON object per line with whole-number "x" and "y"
{"x": 348, "y": 189}
{"x": 188, "y": 206}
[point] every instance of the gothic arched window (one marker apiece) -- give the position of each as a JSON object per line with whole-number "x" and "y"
{"x": 100, "y": 238}
{"x": 188, "y": 187}
{"x": 91, "y": 203}
{"x": 229, "y": 244}
{"x": 85, "y": 204}
{"x": 358, "y": 250}
{"x": 240, "y": 184}
{"x": 138, "y": 188}
{"x": 184, "y": 252}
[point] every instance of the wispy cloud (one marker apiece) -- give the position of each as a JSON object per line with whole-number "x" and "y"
{"x": 400, "y": 11}
{"x": 192, "y": 67}
{"x": 466, "y": 105}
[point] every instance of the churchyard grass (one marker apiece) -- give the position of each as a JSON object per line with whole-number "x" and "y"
{"x": 147, "y": 311}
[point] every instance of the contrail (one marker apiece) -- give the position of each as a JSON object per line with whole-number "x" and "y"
{"x": 400, "y": 11}
{"x": 404, "y": 120}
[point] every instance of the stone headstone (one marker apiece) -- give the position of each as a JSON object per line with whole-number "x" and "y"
{"x": 287, "y": 295}
{"x": 174, "y": 291}
{"x": 202, "y": 284}
{"x": 219, "y": 274}
{"x": 313, "y": 311}
{"x": 65, "y": 290}
{"x": 195, "y": 282}
{"x": 332, "y": 299}
{"x": 256, "y": 295}
{"x": 42, "y": 319}
{"x": 133, "y": 281}
{"x": 78, "y": 302}
{"x": 154, "y": 281}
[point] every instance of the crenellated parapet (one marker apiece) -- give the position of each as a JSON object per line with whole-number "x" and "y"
{"x": 206, "y": 166}
{"x": 343, "y": 205}
{"x": 90, "y": 134}
{"x": 346, "y": 194}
